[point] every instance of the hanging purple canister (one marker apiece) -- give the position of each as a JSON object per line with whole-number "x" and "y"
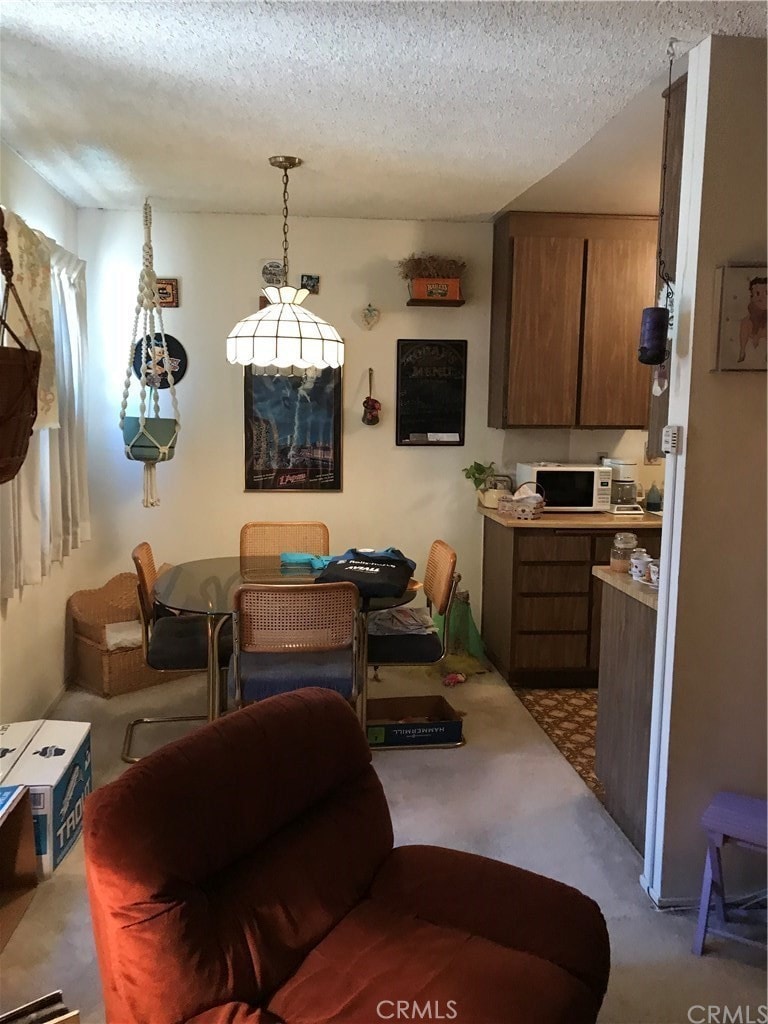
{"x": 653, "y": 335}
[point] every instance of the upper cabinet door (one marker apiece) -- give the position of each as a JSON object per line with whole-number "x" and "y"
{"x": 620, "y": 283}
{"x": 545, "y": 317}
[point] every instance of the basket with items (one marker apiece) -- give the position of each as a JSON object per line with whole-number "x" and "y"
{"x": 527, "y": 502}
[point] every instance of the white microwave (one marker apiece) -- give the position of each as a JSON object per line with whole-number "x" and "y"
{"x": 567, "y": 487}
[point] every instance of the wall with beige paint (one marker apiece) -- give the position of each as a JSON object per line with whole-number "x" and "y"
{"x": 716, "y": 639}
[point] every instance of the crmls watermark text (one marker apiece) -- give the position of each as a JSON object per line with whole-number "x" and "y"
{"x": 728, "y": 1014}
{"x": 411, "y": 1009}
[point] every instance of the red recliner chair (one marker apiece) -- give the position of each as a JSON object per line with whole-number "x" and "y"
{"x": 246, "y": 874}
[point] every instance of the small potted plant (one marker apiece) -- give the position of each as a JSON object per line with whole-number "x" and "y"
{"x": 488, "y": 483}
{"x": 432, "y": 277}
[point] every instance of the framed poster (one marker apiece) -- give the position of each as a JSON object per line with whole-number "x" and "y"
{"x": 293, "y": 431}
{"x": 431, "y": 392}
{"x": 741, "y": 333}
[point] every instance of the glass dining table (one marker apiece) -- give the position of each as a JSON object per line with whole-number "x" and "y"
{"x": 207, "y": 586}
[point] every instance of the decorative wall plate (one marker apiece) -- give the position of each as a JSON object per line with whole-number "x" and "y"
{"x": 157, "y": 372}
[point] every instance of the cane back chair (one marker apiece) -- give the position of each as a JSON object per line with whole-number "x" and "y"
{"x": 171, "y": 643}
{"x": 440, "y": 583}
{"x": 290, "y": 636}
{"x": 273, "y": 538}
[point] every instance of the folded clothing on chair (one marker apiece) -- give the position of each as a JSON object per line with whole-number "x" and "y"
{"x": 398, "y": 621}
{"x": 375, "y": 573}
{"x": 303, "y": 558}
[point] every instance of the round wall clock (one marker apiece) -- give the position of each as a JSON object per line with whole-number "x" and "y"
{"x": 157, "y": 371}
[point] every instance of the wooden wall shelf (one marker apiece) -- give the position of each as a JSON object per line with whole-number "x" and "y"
{"x": 435, "y": 302}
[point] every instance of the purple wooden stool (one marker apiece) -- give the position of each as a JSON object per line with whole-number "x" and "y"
{"x": 730, "y": 818}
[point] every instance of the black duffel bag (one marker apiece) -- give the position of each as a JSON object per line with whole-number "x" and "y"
{"x": 375, "y": 573}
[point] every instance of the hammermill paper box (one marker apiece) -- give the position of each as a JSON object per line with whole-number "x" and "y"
{"x": 56, "y": 766}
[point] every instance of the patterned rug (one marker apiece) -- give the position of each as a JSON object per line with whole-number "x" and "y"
{"x": 569, "y": 718}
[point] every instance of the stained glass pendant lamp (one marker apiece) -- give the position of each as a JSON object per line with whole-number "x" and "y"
{"x": 284, "y": 334}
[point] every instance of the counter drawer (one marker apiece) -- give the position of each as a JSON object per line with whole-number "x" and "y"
{"x": 553, "y": 546}
{"x": 547, "y": 650}
{"x": 552, "y": 613}
{"x": 552, "y": 579}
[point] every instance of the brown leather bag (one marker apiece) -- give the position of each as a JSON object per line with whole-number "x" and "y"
{"x": 19, "y": 375}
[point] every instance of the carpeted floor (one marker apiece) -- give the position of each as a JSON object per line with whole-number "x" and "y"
{"x": 507, "y": 794}
{"x": 569, "y": 718}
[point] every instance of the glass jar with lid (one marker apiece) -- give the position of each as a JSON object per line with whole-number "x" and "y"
{"x": 621, "y": 551}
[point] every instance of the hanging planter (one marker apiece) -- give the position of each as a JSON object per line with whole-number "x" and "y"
{"x": 149, "y": 439}
{"x": 19, "y": 375}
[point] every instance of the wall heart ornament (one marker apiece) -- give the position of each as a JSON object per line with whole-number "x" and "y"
{"x": 371, "y": 316}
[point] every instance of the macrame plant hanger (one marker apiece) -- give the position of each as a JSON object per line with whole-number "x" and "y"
{"x": 149, "y": 440}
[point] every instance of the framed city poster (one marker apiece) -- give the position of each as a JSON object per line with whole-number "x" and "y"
{"x": 431, "y": 392}
{"x": 293, "y": 431}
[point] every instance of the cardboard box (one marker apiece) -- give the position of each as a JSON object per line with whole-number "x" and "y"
{"x": 56, "y": 765}
{"x": 413, "y": 722}
{"x": 18, "y": 860}
{"x": 14, "y": 739}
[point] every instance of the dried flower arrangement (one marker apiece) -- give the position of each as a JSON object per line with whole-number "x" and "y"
{"x": 430, "y": 265}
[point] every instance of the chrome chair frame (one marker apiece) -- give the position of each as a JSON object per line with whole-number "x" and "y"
{"x": 146, "y": 616}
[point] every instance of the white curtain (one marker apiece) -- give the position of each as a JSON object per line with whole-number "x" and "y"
{"x": 44, "y": 511}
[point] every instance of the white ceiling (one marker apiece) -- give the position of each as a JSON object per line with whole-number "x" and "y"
{"x": 441, "y": 110}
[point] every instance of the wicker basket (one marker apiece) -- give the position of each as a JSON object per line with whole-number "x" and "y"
{"x": 95, "y": 667}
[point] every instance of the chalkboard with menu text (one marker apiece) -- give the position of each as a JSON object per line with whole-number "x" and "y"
{"x": 431, "y": 392}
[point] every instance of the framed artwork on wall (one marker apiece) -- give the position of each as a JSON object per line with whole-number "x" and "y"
{"x": 431, "y": 392}
{"x": 168, "y": 291}
{"x": 293, "y": 431}
{"x": 741, "y": 335}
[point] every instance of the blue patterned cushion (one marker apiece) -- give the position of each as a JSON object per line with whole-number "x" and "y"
{"x": 265, "y": 675}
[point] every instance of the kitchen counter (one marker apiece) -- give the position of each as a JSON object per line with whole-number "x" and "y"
{"x": 623, "y": 581}
{"x": 576, "y": 521}
{"x": 628, "y": 621}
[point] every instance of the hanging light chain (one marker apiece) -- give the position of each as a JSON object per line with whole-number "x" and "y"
{"x": 662, "y": 266}
{"x": 285, "y": 227}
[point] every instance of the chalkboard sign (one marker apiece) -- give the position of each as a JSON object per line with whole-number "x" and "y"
{"x": 431, "y": 392}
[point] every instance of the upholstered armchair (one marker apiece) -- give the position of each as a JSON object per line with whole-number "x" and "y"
{"x": 246, "y": 873}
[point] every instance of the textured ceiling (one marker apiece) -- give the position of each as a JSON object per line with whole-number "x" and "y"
{"x": 400, "y": 110}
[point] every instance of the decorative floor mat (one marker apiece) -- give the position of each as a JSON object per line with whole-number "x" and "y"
{"x": 569, "y": 718}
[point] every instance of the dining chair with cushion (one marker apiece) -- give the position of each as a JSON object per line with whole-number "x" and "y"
{"x": 171, "y": 643}
{"x": 428, "y": 645}
{"x": 274, "y": 538}
{"x": 246, "y": 875}
{"x": 290, "y": 636}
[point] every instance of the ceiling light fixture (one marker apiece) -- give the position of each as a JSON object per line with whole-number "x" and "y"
{"x": 284, "y": 334}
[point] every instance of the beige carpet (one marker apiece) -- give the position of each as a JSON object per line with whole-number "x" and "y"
{"x": 507, "y": 794}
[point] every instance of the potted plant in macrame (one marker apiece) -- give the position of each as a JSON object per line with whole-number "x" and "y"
{"x": 432, "y": 277}
{"x": 488, "y": 483}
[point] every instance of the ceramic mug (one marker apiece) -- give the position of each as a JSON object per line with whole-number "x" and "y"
{"x": 653, "y": 569}
{"x": 638, "y": 566}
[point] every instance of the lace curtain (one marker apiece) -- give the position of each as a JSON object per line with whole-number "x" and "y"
{"x": 44, "y": 511}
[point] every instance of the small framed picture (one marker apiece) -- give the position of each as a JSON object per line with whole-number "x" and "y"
{"x": 168, "y": 291}
{"x": 311, "y": 282}
{"x": 741, "y": 336}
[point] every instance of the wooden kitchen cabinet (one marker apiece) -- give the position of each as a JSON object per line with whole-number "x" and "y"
{"x": 623, "y": 734}
{"x": 541, "y": 607}
{"x": 567, "y": 301}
